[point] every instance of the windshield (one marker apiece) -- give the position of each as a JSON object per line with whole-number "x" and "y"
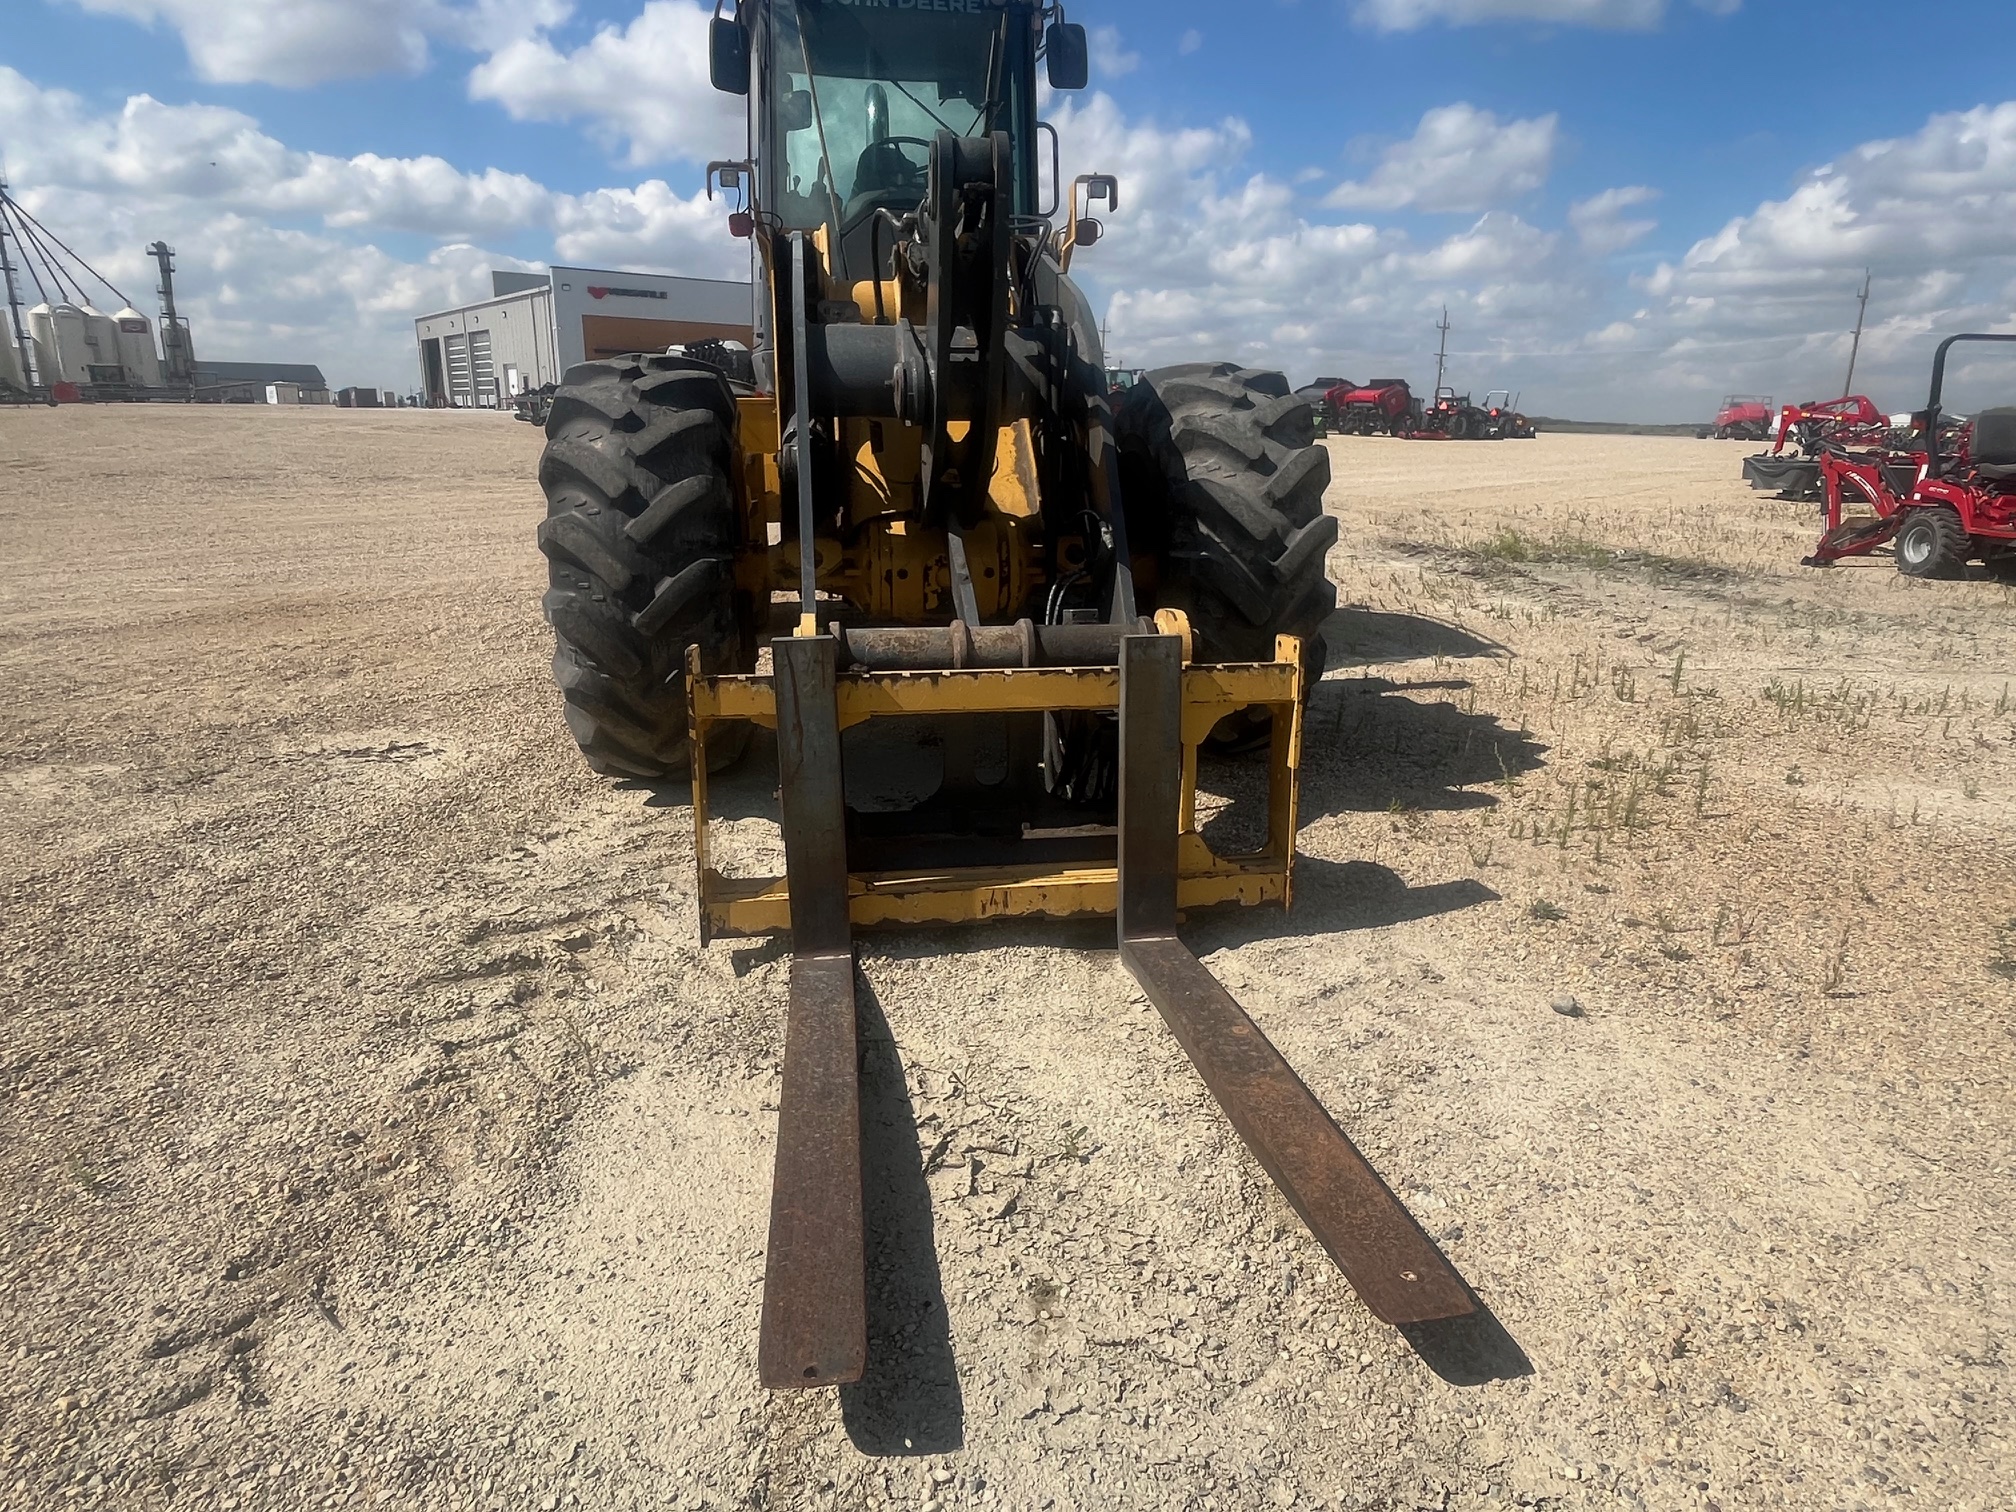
{"x": 860, "y": 91}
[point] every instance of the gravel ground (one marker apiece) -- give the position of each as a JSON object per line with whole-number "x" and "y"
{"x": 374, "y": 1130}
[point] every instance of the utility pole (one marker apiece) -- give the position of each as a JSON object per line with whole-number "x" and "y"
{"x": 1848, "y": 384}
{"x": 1442, "y": 352}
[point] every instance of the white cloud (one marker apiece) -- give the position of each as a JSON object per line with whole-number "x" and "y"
{"x": 1627, "y": 15}
{"x": 1459, "y": 159}
{"x": 312, "y": 256}
{"x": 276, "y": 245}
{"x": 302, "y": 42}
{"x": 1189, "y": 42}
{"x": 1109, "y": 55}
{"x": 1600, "y": 221}
{"x": 1769, "y": 300}
{"x": 1207, "y": 260}
{"x": 649, "y": 227}
{"x": 642, "y": 89}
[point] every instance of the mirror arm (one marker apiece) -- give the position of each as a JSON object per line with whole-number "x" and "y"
{"x": 1096, "y": 186}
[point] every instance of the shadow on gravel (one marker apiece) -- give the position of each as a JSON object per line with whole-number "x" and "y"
{"x": 1341, "y": 895}
{"x": 1358, "y": 637}
{"x": 1469, "y": 1351}
{"x": 1332, "y": 897}
{"x": 1367, "y": 745}
{"x": 746, "y": 789}
{"x": 909, "y": 1403}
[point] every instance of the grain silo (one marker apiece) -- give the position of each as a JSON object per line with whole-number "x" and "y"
{"x": 12, "y": 374}
{"x": 69, "y": 341}
{"x": 136, "y": 348}
{"x": 61, "y": 355}
{"x": 101, "y": 347}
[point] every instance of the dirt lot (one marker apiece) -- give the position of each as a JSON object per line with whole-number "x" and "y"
{"x": 376, "y": 1132}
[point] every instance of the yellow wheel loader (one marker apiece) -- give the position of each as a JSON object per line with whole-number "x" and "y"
{"x": 921, "y": 462}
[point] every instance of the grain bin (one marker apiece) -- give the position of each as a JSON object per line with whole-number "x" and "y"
{"x": 61, "y": 355}
{"x": 12, "y": 375}
{"x": 135, "y": 334}
{"x": 101, "y": 343}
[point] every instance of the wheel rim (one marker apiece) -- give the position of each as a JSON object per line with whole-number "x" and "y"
{"x": 1916, "y": 546}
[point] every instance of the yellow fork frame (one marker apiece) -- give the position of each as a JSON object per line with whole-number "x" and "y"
{"x": 736, "y": 906}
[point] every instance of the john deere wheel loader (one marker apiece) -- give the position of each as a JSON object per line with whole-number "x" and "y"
{"x": 926, "y": 469}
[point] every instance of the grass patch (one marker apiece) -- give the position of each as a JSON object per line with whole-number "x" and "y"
{"x": 1513, "y": 547}
{"x": 1510, "y": 550}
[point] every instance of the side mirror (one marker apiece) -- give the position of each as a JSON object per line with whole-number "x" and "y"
{"x": 1088, "y": 233}
{"x": 1069, "y": 55}
{"x": 728, "y": 56}
{"x": 795, "y": 111}
{"x": 741, "y": 224}
{"x": 732, "y": 175}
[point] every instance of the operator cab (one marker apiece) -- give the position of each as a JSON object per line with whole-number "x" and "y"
{"x": 849, "y": 97}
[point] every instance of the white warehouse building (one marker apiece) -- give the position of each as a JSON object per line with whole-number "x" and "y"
{"x": 535, "y": 326}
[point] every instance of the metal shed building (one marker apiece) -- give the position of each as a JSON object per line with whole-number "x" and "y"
{"x": 249, "y": 382}
{"x": 536, "y": 326}
{"x": 481, "y": 355}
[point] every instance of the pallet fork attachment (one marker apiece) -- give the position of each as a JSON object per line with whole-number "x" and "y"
{"x": 815, "y": 1302}
{"x": 814, "y": 1324}
{"x": 1375, "y": 1241}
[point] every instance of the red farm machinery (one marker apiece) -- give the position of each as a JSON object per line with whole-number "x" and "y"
{"x": 1959, "y": 505}
{"x": 1382, "y": 407}
{"x": 1743, "y": 417}
{"x": 1503, "y": 420}
{"x": 1791, "y": 468}
{"x": 1316, "y": 394}
{"x": 1388, "y": 407}
{"x": 1452, "y": 417}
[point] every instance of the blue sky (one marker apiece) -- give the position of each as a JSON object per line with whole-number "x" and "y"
{"x": 1629, "y": 205}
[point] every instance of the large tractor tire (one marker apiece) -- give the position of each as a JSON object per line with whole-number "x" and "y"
{"x": 1932, "y": 543}
{"x": 640, "y": 534}
{"x": 1222, "y": 480}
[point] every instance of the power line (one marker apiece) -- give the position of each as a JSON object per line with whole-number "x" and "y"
{"x": 22, "y": 211}
{"x": 27, "y": 252}
{"x": 64, "y": 286}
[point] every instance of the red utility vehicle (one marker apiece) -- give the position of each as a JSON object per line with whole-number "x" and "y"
{"x": 1959, "y": 507}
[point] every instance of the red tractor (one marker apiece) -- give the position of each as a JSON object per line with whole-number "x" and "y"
{"x": 1452, "y": 417}
{"x": 1383, "y": 407}
{"x": 1743, "y": 417}
{"x": 1504, "y": 422}
{"x": 1958, "y": 508}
